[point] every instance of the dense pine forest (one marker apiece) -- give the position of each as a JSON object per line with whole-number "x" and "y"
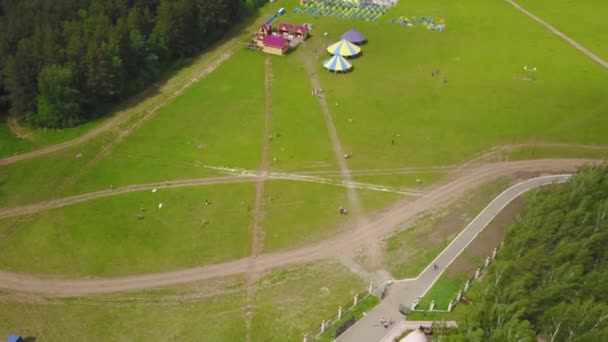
{"x": 63, "y": 62}
{"x": 551, "y": 278}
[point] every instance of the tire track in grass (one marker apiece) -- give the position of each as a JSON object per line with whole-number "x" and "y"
{"x": 354, "y": 202}
{"x": 555, "y": 31}
{"x": 257, "y": 231}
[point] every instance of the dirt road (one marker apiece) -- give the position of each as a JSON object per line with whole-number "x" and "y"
{"x": 258, "y": 234}
{"x": 375, "y": 231}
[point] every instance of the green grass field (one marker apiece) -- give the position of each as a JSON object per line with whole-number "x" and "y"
{"x": 288, "y": 303}
{"x": 580, "y": 20}
{"x": 218, "y": 122}
{"x": 304, "y": 213}
{"x": 103, "y": 237}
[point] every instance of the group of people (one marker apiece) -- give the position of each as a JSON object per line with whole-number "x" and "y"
{"x": 317, "y": 92}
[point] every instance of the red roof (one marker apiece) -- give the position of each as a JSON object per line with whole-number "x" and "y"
{"x": 285, "y": 27}
{"x": 300, "y": 28}
{"x": 275, "y": 41}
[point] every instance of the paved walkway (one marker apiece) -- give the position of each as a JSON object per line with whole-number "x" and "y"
{"x": 402, "y": 326}
{"x": 405, "y": 291}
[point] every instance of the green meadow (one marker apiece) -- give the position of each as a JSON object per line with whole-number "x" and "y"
{"x": 389, "y": 112}
{"x": 287, "y": 304}
{"x": 580, "y": 20}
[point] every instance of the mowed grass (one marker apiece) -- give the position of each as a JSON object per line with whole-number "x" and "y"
{"x": 301, "y": 213}
{"x": 11, "y": 144}
{"x": 103, "y": 237}
{"x": 293, "y": 302}
{"x": 303, "y": 144}
{"x": 287, "y": 304}
{"x": 405, "y": 181}
{"x": 581, "y": 20}
{"x": 217, "y": 122}
{"x": 540, "y": 152}
{"x": 391, "y": 94}
{"x": 188, "y": 313}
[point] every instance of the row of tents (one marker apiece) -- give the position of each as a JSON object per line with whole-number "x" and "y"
{"x": 346, "y": 47}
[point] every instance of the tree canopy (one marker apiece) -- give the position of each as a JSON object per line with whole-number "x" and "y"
{"x": 551, "y": 277}
{"x": 63, "y": 61}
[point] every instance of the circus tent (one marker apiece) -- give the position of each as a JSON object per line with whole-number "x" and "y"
{"x": 337, "y": 63}
{"x": 344, "y": 48}
{"x": 354, "y": 37}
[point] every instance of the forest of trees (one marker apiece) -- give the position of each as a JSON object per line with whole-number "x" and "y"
{"x": 550, "y": 279}
{"x": 63, "y": 62}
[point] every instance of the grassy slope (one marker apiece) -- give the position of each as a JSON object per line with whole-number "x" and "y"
{"x": 103, "y": 237}
{"x": 184, "y": 313}
{"x": 409, "y": 251}
{"x": 302, "y": 213}
{"x": 400, "y": 181}
{"x": 482, "y": 53}
{"x": 216, "y": 122}
{"x": 581, "y": 20}
{"x": 297, "y": 117}
{"x": 204, "y": 126}
{"x": 552, "y": 152}
{"x": 288, "y": 303}
{"x": 293, "y": 301}
{"x": 176, "y": 76}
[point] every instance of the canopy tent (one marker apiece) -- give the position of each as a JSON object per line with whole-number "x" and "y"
{"x": 337, "y": 63}
{"x": 354, "y": 37}
{"x": 344, "y": 48}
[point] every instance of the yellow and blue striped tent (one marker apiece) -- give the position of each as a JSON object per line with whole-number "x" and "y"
{"x": 344, "y": 48}
{"x": 337, "y": 63}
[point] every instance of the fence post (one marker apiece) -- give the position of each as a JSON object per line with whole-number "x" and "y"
{"x": 487, "y": 262}
{"x": 450, "y": 304}
{"x": 355, "y": 300}
{"x": 458, "y": 296}
{"x": 339, "y": 312}
{"x": 432, "y": 305}
{"x": 467, "y": 285}
{"x": 305, "y": 338}
{"x": 414, "y": 304}
{"x": 371, "y": 285}
{"x": 494, "y": 253}
{"x": 477, "y": 273}
{"x": 322, "y": 327}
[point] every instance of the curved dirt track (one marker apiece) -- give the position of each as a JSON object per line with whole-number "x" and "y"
{"x": 369, "y": 233}
{"x": 245, "y": 176}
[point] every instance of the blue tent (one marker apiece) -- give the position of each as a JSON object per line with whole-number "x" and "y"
{"x": 14, "y": 338}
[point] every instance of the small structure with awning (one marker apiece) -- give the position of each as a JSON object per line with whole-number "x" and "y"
{"x": 285, "y": 28}
{"x": 354, "y": 37}
{"x": 301, "y": 31}
{"x": 344, "y": 48}
{"x": 337, "y": 63}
